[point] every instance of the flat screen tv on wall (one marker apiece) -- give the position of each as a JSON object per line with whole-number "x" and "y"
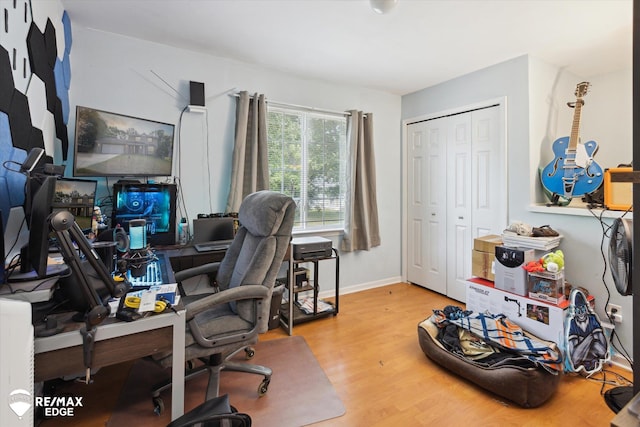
{"x": 110, "y": 144}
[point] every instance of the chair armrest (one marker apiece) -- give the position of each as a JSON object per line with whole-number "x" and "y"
{"x": 228, "y": 295}
{"x": 197, "y": 271}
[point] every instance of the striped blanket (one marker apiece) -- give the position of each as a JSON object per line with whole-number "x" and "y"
{"x": 498, "y": 330}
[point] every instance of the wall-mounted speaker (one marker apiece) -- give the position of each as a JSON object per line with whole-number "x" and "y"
{"x": 196, "y": 90}
{"x": 618, "y": 195}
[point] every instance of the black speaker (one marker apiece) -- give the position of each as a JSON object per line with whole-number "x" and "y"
{"x": 196, "y": 89}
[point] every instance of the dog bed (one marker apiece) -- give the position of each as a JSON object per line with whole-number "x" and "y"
{"x": 528, "y": 387}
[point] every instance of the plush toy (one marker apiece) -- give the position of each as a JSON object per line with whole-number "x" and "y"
{"x": 553, "y": 261}
{"x": 534, "y": 266}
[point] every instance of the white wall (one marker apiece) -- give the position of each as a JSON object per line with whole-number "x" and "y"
{"x": 536, "y": 115}
{"x": 507, "y": 79}
{"x": 607, "y": 119}
{"x": 118, "y": 74}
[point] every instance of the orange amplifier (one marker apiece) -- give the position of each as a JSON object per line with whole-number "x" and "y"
{"x": 618, "y": 196}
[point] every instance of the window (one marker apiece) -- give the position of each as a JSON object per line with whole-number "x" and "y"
{"x": 307, "y": 152}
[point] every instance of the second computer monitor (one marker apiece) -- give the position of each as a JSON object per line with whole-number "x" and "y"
{"x": 213, "y": 229}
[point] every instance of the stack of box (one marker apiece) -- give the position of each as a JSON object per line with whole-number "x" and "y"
{"x": 503, "y": 264}
{"x": 483, "y": 256}
{"x": 511, "y": 276}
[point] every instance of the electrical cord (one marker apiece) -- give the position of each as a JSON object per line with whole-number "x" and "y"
{"x": 134, "y": 302}
{"x": 606, "y": 232}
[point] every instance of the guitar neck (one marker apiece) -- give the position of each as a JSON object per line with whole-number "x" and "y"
{"x": 575, "y": 128}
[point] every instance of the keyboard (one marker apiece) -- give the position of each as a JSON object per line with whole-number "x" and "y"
{"x": 215, "y": 245}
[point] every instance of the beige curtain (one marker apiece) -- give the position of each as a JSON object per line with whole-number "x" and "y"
{"x": 250, "y": 169}
{"x": 361, "y": 207}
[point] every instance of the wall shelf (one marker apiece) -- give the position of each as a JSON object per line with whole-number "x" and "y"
{"x": 576, "y": 208}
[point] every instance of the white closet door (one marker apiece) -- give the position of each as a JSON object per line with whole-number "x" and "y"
{"x": 457, "y": 191}
{"x": 489, "y": 198}
{"x": 426, "y": 264}
{"x": 459, "y": 211}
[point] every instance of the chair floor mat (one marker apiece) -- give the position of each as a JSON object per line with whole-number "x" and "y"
{"x": 299, "y": 393}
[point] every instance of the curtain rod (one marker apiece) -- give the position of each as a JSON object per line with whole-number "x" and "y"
{"x": 301, "y": 107}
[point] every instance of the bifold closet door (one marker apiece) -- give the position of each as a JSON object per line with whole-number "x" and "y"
{"x": 456, "y": 177}
{"x": 459, "y": 190}
{"x": 427, "y": 210}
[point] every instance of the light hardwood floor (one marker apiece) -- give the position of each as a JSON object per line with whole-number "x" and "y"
{"x": 371, "y": 355}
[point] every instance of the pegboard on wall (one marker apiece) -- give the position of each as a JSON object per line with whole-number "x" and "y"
{"x": 35, "y": 78}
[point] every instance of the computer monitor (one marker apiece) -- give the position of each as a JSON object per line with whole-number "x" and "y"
{"x": 34, "y": 256}
{"x": 212, "y": 229}
{"x": 155, "y": 203}
{"x": 78, "y": 197}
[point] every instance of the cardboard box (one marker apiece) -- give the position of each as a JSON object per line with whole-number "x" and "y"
{"x": 487, "y": 243}
{"x": 544, "y": 320}
{"x": 547, "y": 286}
{"x": 168, "y": 291}
{"x": 483, "y": 256}
{"x": 482, "y": 264}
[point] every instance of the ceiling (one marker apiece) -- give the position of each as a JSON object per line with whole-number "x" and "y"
{"x": 417, "y": 44}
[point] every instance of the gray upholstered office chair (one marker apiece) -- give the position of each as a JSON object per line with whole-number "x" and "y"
{"x": 229, "y": 320}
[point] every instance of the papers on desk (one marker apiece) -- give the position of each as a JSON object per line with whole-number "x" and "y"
{"x": 148, "y": 297}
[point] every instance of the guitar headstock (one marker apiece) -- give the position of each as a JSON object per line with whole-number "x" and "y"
{"x": 581, "y": 89}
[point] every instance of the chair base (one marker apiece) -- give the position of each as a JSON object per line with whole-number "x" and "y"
{"x": 214, "y": 365}
{"x": 214, "y": 412}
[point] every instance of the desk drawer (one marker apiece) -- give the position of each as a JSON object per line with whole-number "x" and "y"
{"x": 69, "y": 361}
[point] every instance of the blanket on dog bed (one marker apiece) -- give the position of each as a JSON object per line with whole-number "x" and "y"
{"x": 493, "y": 353}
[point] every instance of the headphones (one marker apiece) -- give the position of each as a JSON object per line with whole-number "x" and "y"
{"x": 121, "y": 238}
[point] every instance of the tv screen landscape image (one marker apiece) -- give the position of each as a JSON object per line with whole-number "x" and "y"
{"x": 110, "y": 144}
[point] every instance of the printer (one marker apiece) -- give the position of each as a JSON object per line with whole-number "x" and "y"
{"x": 312, "y": 247}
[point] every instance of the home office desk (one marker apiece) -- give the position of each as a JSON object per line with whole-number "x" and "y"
{"x": 116, "y": 342}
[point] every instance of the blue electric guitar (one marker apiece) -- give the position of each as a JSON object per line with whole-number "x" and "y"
{"x": 573, "y": 172}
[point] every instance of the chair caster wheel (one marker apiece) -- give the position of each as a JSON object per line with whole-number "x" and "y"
{"x": 263, "y": 387}
{"x": 158, "y": 406}
{"x": 249, "y": 352}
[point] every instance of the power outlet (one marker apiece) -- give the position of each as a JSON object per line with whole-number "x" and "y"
{"x": 614, "y": 312}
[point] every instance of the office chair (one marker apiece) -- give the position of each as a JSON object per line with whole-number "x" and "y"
{"x": 216, "y": 412}
{"x": 222, "y": 323}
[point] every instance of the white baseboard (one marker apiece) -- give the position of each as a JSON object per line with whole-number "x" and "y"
{"x": 361, "y": 287}
{"x": 619, "y": 360}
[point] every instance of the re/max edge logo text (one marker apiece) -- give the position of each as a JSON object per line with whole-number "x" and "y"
{"x": 58, "y": 406}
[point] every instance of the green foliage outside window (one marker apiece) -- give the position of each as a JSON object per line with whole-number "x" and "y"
{"x": 307, "y": 154}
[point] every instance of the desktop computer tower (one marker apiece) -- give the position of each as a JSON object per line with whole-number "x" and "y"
{"x": 16, "y": 358}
